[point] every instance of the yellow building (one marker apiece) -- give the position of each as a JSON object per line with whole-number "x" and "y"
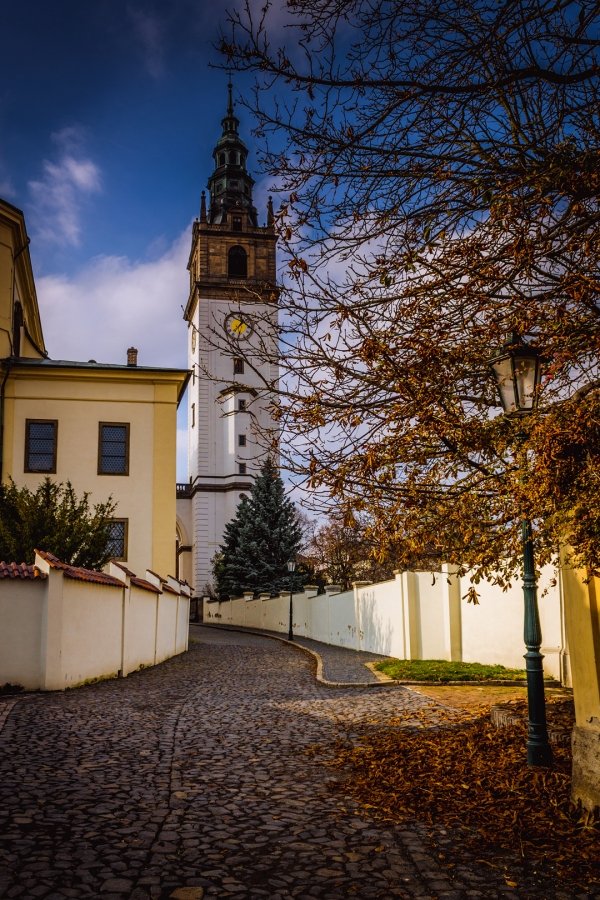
{"x": 108, "y": 429}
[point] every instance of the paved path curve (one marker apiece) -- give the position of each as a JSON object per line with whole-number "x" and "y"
{"x": 203, "y": 776}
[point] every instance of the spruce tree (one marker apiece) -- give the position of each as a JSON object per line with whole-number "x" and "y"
{"x": 260, "y": 540}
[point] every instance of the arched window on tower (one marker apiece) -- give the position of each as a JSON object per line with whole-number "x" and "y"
{"x": 237, "y": 262}
{"x": 222, "y": 159}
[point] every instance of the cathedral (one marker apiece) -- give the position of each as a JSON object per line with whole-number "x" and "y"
{"x": 231, "y": 316}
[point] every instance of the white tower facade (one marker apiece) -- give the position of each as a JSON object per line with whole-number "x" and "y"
{"x": 231, "y": 315}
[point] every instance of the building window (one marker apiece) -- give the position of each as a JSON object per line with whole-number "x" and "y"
{"x": 237, "y": 262}
{"x": 242, "y": 404}
{"x": 40, "y": 445}
{"x": 221, "y": 159}
{"x": 113, "y": 449}
{"x": 117, "y": 538}
{"x": 238, "y": 365}
{"x": 242, "y": 468}
{"x": 237, "y": 223}
{"x": 241, "y": 440}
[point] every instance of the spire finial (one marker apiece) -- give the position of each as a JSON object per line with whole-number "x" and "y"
{"x": 203, "y": 207}
{"x": 229, "y": 97}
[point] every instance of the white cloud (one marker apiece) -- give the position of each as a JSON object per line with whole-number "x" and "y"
{"x": 114, "y": 303}
{"x": 148, "y": 33}
{"x": 58, "y": 196}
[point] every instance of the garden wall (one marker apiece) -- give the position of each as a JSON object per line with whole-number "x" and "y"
{"x": 416, "y": 615}
{"x": 61, "y": 626}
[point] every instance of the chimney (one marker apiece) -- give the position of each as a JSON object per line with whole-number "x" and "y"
{"x": 132, "y": 356}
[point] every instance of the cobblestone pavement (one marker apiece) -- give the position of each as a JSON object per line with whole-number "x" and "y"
{"x": 205, "y": 776}
{"x": 339, "y": 665}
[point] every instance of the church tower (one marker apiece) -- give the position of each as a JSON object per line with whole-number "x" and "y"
{"x": 231, "y": 315}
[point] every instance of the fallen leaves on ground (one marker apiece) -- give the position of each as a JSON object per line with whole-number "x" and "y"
{"x": 472, "y": 776}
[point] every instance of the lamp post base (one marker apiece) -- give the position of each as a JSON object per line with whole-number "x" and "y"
{"x": 539, "y": 754}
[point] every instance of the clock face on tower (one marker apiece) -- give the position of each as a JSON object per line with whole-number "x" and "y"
{"x": 238, "y": 326}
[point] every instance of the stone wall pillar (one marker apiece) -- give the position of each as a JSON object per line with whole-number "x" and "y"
{"x": 51, "y": 670}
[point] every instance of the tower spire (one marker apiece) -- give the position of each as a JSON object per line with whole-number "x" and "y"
{"x": 230, "y": 184}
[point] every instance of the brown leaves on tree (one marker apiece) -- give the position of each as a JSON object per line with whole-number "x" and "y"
{"x": 443, "y": 193}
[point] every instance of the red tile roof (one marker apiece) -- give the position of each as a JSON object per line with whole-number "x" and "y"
{"x": 139, "y": 582}
{"x": 123, "y": 568}
{"x": 20, "y": 570}
{"x": 145, "y": 585}
{"x": 79, "y": 574}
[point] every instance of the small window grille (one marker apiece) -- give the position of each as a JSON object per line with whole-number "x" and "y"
{"x": 40, "y": 445}
{"x": 117, "y": 538}
{"x": 241, "y": 404}
{"x": 241, "y": 440}
{"x": 242, "y": 468}
{"x": 113, "y": 449}
{"x": 238, "y": 365}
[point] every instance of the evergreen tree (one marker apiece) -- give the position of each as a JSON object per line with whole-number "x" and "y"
{"x": 54, "y": 519}
{"x": 259, "y": 542}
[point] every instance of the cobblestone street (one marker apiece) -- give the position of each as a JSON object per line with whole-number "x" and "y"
{"x": 204, "y": 777}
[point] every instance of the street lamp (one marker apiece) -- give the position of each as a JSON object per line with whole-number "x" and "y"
{"x": 291, "y": 566}
{"x": 517, "y": 370}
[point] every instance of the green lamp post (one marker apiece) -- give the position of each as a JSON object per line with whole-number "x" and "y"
{"x": 291, "y": 566}
{"x": 517, "y": 370}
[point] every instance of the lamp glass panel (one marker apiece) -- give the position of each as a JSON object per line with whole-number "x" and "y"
{"x": 525, "y": 381}
{"x": 503, "y": 371}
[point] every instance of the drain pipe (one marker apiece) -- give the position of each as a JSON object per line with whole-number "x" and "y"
{"x": 7, "y": 363}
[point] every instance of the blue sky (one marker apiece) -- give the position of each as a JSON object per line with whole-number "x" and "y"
{"x": 108, "y": 114}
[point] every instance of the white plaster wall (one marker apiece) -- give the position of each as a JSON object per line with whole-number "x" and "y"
{"x": 78, "y": 635}
{"x": 183, "y": 625}
{"x": 166, "y": 630}
{"x": 300, "y": 613}
{"x": 253, "y": 613}
{"x": 91, "y": 631}
{"x": 381, "y": 620}
{"x": 141, "y": 629}
{"x": 415, "y": 617}
{"x": 220, "y": 613}
{"x": 21, "y": 605}
{"x": 319, "y": 617}
{"x": 429, "y": 599}
{"x": 275, "y": 614}
{"x": 492, "y": 631}
{"x": 343, "y": 624}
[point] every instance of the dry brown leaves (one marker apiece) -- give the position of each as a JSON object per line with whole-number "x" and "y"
{"x": 472, "y": 776}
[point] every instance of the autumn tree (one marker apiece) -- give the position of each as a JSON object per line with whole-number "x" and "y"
{"x": 342, "y": 552}
{"x": 55, "y": 519}
{"x": 438, "y": 171}
{"x": 260, "y": 540}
